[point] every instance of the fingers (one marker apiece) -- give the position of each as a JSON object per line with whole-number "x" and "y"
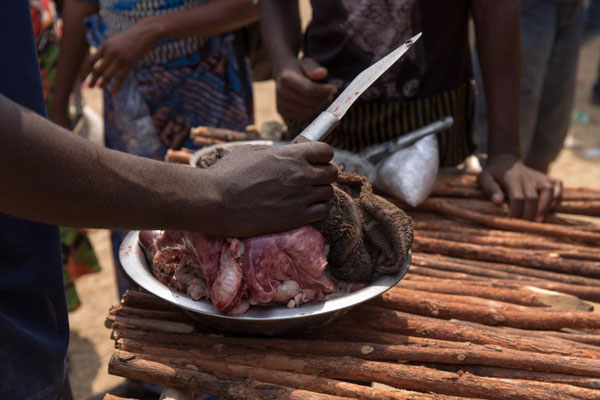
{"x": 315, "y": 212}
{"x": 545, "y": 202}
{"x": 307, "y": 90}
{"x": 530, "y": 201}
{"x": 320, "y": 194}
{"x": 490, "y": 187}
{"x": 313, "y": 152}
{"x": 312, "y": 69}
{"x": 180, "y": 136}
{"x": 324, "y": 174}
{"x": 557, "y": 192}
{"x": 87, "y": 69}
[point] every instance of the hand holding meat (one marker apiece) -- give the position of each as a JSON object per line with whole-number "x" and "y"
{"x": 531, "y": 193}
{"x": 263, "y": 190}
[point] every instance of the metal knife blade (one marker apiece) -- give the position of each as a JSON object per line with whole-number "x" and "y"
{"x": 328, "y": 119}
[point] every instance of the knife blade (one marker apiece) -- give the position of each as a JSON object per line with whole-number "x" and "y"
{"x": 328, "y": 119}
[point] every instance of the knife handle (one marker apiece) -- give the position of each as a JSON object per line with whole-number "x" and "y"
{"x": 318, "y": 129}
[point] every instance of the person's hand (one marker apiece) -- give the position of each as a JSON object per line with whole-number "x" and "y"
{"x": 272, "y": 189}
{"x": 172, "y": 134}
{"x": 531, "y": 194}
{"x": 118, "y": 55}
{"x": 300, "y": 95}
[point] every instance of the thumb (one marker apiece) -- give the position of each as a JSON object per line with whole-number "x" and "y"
{"x": 490, "y": 187}
{"x": 312, "y": 70}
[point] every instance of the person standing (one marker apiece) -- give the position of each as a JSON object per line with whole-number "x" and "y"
{"x": 432, "y": 81}
{"x": 551, "y": 35}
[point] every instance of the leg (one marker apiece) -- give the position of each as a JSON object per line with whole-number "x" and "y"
{"x": 556, "y": 104}
{"x": 538, "y": 21}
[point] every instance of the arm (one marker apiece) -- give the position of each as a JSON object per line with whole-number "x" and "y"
{"x": 56, "y": 177}
{"x": 73, "y": 48}
{"x": 531, "y": 193}
{"x": 119, "y": 54}
{"x": 299, "y": 94}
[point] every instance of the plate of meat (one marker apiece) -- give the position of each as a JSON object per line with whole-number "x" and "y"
{"x": 272, "y": 283}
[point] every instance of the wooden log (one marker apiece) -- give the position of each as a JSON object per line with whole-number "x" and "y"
{"x": 109, "y": 396}
{"x": 526, "y": 258}
{"x": 226, "y": 135}
{"x": 586, "y": 338}
{"x": 493, "y": 270}
{"x": 178, "y": 156}
{"x": 580, "y": 207}
{"x": 204, "y": 141}
{"x": 126, "y": 311}
{"x": 467, "y": 312}
{"x": 402, "y": 289}
{"x": 133, "y": 367}
{"x": 514, "y": 224}
{"x": 510, "y": 373}
{"x": 508, "y": 292}
{"x": 136, "y": 299}
{"x": 470, "y": 187}
{"x": 392, "y": 374}
{"x": 290, "y": 379}
{"x": 567, "y": 382}
{"x": 458, "y": 331}
{"x": 564, "y": 250}
{"x": 161, "y": 325}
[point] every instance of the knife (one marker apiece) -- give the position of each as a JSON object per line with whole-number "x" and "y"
{"x": 378, "y": 152}
{"x": 328, "y": 119}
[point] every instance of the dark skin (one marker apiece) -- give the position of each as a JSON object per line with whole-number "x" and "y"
{"x": 117, "y": 57}
{"x": 302, "y": 95}
{"x": 59, "y": 178}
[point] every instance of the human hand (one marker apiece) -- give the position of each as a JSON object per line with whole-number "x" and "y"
{"x": 272, "y": 189}
{"x": 118, "y": 55}
{"x": 531, "y": 194}
{"x": 299, "y": 94}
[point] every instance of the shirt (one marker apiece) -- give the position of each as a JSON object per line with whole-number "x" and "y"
{"x": 34, "y": 330}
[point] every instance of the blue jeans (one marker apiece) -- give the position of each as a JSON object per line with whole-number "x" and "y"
{"x": 551, "y": 34}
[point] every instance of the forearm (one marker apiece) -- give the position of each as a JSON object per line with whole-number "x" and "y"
{"x": 281, "y": 31}
{"x": 498, "y": 31}
{"x": 53, "y": 176}
{"x": 73, "y": 48}
{"x": 206, "y": 20}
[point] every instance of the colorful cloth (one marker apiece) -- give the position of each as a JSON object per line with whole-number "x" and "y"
{"x": 78, "y": 255}
{"x": 185, "y": 82}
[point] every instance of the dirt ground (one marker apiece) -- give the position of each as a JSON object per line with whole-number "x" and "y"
{"x": 90, "y": 347}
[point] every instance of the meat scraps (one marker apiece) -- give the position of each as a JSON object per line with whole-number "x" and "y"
{"x": 366, "y": 237}
{"x": 285, "y": 268}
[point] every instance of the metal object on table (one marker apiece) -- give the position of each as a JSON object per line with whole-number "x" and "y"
{"x": 378, "y": 152}
{"x": 265, "y": 320}
{"x": 328, "y": 119}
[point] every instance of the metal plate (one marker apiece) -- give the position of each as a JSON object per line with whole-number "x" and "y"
{"x": 266, "y": 320}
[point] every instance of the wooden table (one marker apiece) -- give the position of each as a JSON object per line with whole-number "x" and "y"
{"x": 492, "y": 308}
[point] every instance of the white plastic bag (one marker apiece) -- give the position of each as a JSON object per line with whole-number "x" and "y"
{"x": 410, "y": 173}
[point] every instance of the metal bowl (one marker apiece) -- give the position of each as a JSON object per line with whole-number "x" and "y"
{"x": 264, "y": 320}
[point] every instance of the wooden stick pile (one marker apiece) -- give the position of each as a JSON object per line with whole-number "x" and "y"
{"x": 492, "y": 308}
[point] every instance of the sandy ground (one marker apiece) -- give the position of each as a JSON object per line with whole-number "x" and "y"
{"x": 90, "y": 347}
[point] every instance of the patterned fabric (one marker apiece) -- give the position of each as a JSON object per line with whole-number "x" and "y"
{"x": 185, "y": 82}
{"x": 433, "y": 79}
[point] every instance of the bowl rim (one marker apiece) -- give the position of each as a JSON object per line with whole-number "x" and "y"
{"x": 135, "y": 265}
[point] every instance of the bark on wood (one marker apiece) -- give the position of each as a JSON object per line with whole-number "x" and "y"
{"x": 467, "y": 312}
{"x": 178, "y": 156}
{"x": 290, "y": 379}
{"x": 509, "y": 373}
{"x": 459, "y": 331}
{"x": 225, "y": 135}
{"x": 393, "y": 374}
{"x": 126, "y": 311}
{"x": 552, "y": 230}
{"x": 510, "y": 293}
{"x": 133, "y": 367}
{"x": 166, "y": 326}
{"x": 109, "y": 396}
{"x": 526, "y": 258}
{"x": 148, "y": 301}
{"x": 465, "y": 299}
